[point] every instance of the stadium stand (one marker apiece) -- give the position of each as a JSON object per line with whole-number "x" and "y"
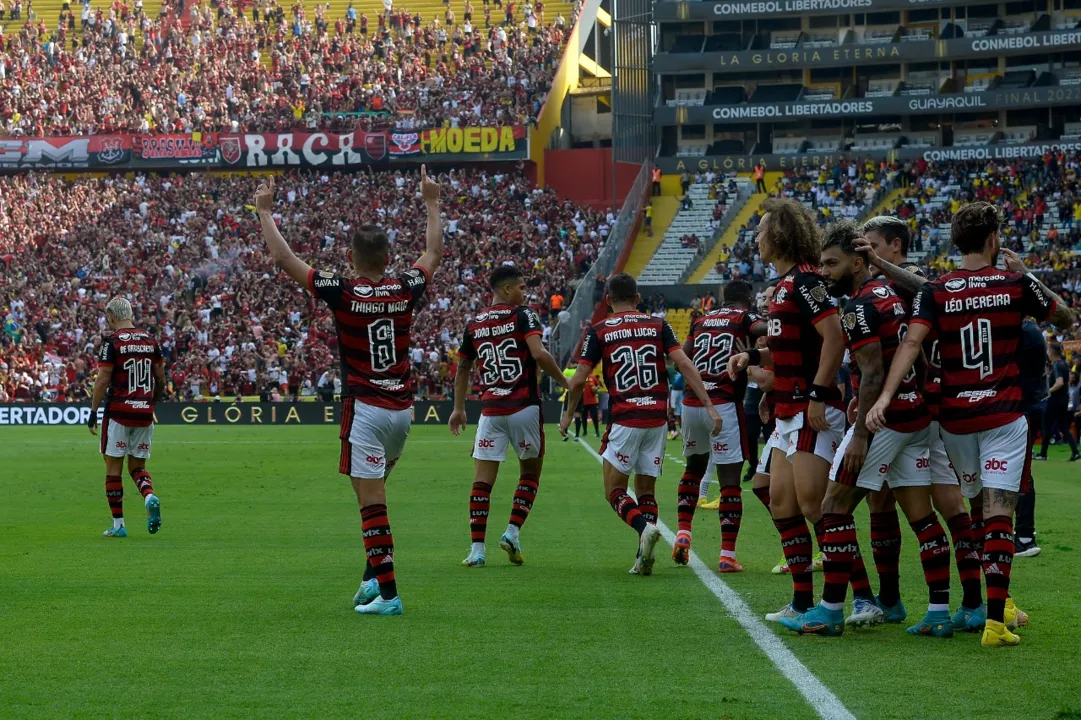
{"x": 187, "y": 251}
{"x": 702, "y": 215}
{"x": 193, "y": 69}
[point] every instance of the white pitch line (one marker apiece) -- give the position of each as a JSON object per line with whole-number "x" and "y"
{"x": 166, "y": 442}
{"x": 827, "y": 705}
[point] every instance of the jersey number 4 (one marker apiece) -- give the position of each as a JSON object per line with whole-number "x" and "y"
{"x": 976, "y": 353}
{"x": 497, "y": 365}
{"x": 711, "y": 353}
{"x": 637, "y": 368}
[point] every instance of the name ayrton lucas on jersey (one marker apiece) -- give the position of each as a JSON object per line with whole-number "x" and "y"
{"x": 627, "y": 333}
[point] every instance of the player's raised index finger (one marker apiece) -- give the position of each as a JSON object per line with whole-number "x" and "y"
{"x": 423, "y": 173}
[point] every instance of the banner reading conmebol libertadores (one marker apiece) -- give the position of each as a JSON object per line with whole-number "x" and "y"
{"x": 221, "y": 413}
{"x": 252, "y": 151}
{"x": 999, "y": 99}
{"x": 671, "y": 11}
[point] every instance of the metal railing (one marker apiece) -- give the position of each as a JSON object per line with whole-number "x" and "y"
{"x": 568, "y": 329}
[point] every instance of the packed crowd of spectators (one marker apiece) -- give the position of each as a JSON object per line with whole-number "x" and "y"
{"x": 845, "y": 190}
{"x": 266, "y": 68}
{"x": 188, "y": 253}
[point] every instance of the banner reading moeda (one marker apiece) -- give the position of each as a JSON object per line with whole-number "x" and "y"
{"x": 868, "y": 107}
{"x": 220, "y": 413}
{"x": 704, "y": 10}
{"x": 240, "y": 151}
{"x": 746, "y": 163}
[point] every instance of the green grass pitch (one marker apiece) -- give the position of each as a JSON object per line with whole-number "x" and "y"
{"x": 241, "y": 605}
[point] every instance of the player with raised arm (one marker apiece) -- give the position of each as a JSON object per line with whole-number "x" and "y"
{"x": 131, "y": 381}
{"x": 875, "y": 320}
{"x": 712, "y": 339}
{"x": 505, "y": 340}
{"x": 373, "y": 313}
{"x": 977, "y": 312}
{"x": 805, "y": 348}
{"x": 632, "y": 346}
{"x": 885, "y": 244}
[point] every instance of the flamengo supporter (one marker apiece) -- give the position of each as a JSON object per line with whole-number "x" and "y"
{"x": 185, "y": 251}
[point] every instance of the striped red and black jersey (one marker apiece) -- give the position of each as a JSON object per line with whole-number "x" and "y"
{"x": 373, "y": 319}
{"x": 799, "y": 303}
{"x": 932, "y": 389}
{"x": 633, "y": 347}
{"x": 876, "y": 313}
{"x": 132, "y": 355}
{"x": 977, "y": 315}
{"x": 713, "y": 338}
{"x": 507, "y": 370}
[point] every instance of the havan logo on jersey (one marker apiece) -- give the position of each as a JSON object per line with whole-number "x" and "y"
{"x": 498, "y": 340}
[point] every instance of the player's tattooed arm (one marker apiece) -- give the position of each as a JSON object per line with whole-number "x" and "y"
{"x": 278, "y": 248}
{"x": 461, "y": 390}
{"x": 433, "y": 237}
{"x": 1062, "y": 315}
{"x": 903, "y": 360}
{"x": 872, "y": 376}
{"x": 900, "y": 277}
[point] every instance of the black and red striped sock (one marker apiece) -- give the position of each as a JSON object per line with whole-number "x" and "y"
{"x": 480, "y": 500}
{"x": 935, "y": 558}
{"x": 143, "y": 481}
{"x": 627, "y": 509}
{"x": 967, "y": 560}
{"x": 997, "y": 561}
{"x": 977, "y": 530}
{"x": 379, "y": 546}
{"x": 114, "y": 493}
{"x": 837, "y": 540}
{"x": 762, "y": 493}
{"x": 861, "y": 584}
{"x": 647, "y": 505}
{"x": 796, "y": 544}
{"x": 687, "y": 499}
{"x": 730, "y": 512}
{"x": 524, "y": 496}
{"x": 886, "y": 551}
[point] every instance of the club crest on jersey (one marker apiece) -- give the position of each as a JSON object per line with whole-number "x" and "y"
{"x": 849, "y": 321}
{"x": 882, "y": 291}
{"x": 956, "y": 285}
{"x": 780, "y": 295}
{"x": 818, "y": 292}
